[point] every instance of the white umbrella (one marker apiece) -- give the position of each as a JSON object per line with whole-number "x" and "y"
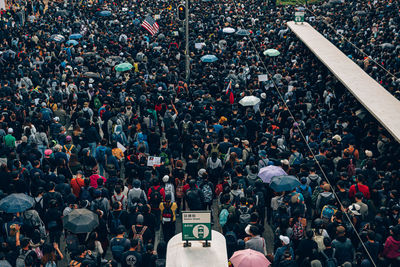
{"x": 249, "y": 101}
{"x": 228, "y": 30}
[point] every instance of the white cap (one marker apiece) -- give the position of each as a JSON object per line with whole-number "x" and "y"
{"x": 165, "y": 178}
{"x": 368, "y": 153}
{"x": 56, "y": 118}
{"x": 285, "y": 162}
{"x": 284, "y": 239}
{"x": 263, "y": 95}
{"x": 337, "y": 138}
{"x": 10, "y": 130}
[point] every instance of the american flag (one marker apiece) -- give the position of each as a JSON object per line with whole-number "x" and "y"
{"x": 151, "y": 25}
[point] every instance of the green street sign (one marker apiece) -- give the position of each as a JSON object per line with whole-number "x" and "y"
{"x": 196, "y": 225}
{"x": 299, "y": 16}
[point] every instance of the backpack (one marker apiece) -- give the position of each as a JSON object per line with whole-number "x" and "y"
{"x": 207, "y": 193}
{"x": 72, "y": 243}
{"x": 101, "y": 155}
{"x": 231, "y": 239}
{"x": 117, "y": 248}
{"x": 297, "y": 159}
{"x": 155, "y": 197}
{"x": 164, "y": 157}
{"x": 160, "y": 262}
{"x": 330, "y": 262}
{"x": 115, "y": 222}
{"x": 179, "y": 189}
{"x": 85, "y": 194}
{"x": 327, "y": 212}
{"x": 21, "y": 258}
{"x": 167, "y": 214}
{"x": 50, "y": 264}
{"x": 137, "y": 198}
{"x": 260, "y": 200}
{"x": 185, "y": 127}
{"x": 244, "y": 215}
{"x": 214, "y": 148}
{"x": 319, "y": 239}
{"x": 38, "y": 206}
{"x": 139, "y": 235}
{"x": 313, "y": 183}
{"x": 351, "y": 169}
{"x": 325, "y": 200}
{"x": 98, "y": 205}
{"x": 298, "y": 231}
{"x": 223, "y": 217}
{"x": 306, "y": 194}
{"x": 68, "y": 150}
{"x": 96, "y": 102}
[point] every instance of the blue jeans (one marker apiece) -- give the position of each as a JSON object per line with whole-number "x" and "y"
{"x": 42, "y": 148}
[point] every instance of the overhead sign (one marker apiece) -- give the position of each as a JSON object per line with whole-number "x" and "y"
{"x": 196, "y": 225}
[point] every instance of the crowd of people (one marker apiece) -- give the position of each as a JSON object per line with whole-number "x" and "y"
{"x": 76, "y": 134}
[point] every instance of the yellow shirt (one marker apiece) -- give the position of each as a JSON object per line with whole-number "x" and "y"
{"x": 174, "y": 206}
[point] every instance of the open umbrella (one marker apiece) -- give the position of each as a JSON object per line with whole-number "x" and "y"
{"x": 208, "y": 58}
{"x": 75, "y": 36}
{"x": 228, "y": 30}
{"x": 9, "y": 54}
{"x": 90, "y": 74}
{"x": 249, "y": 101}
{"x": 249, "y": 258}
{"x": 81, "y": 221}
{"x": 387, "y": 46}
{"x": 284, "y": 183}
{"x": 73, "y": 42}
{"x": 123, "y": 66}
{"x": 16, "y": 203}
{"x": 57, "y": 38}
{"x": 61, "y": 13}
{"x": 267, "y": 173}
{"x": 105, "y": 13}
{"x": 271, "y": 52}
{"x": 243, "y": 32}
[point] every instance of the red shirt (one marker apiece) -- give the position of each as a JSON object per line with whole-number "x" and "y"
{"x": 362, "y": 188}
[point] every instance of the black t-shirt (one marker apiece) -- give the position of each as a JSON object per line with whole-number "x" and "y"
{"x": 131, "y": 259}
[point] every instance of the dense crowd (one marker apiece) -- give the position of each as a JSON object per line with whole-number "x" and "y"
{"x": 76, "y": 135}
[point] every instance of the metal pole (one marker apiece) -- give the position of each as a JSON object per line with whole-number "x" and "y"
{"x": 187, "y": 68}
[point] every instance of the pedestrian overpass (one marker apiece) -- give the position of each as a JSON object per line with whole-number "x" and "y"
{"x": 376, "y": 99}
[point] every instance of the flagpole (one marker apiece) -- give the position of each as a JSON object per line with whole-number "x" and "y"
{"x": 187, "y": 68}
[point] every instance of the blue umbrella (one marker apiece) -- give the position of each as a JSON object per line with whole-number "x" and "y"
{"x": 73, "y": 42}
{"x": 267, "y": 173}
{"x": 208, "y": 58}
{"x": 75, "y": 36}
{"x": 57, "y": 38}
{"x": 16, "y": 203}
{"x": 243, "y": 32}
{"x": 284, "y": 183}
{"x": 105, "y": 13}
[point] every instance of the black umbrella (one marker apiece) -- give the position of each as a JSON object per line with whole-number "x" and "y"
{"x": 16, "y": 203}
{"x": 81, "y": 221}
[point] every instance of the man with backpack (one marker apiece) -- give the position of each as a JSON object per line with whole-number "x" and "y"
{"x": 344, "y": 247}
{"x": 119, "y": 244}
{"x": 207, "y": 189}
{"x": 25, "y": 253}
{"x": 155, "y": 196}
{"x": 227, "y": 214}
{"x": 168, "y": 217}
{"x": 324, "y": 198}
{"x": 69, "y": 148}
{"x": 117, "y": 218}
{"x": 296, "y": 158}
{"x": 100, "y": 203}
{"x": 194, "y": 197}
{"x": 142, "y": 233}
{"x": 306, "y": 192}
{"x": 136, "y": 195}
{"x": 101, "y": 152}
{"x": 328, "y": 256}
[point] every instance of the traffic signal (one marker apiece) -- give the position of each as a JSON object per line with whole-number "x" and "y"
{"x": 181, "y": 12}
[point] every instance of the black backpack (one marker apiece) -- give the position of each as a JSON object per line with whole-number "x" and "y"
{"x": 330, "y": 262}
{"x": 325, "y": 200}
{"x": 167, "y": 214}
{"x": 115, "y": 222}
{"x": 155, "y": 197}
{"x": 306, "y": 194}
